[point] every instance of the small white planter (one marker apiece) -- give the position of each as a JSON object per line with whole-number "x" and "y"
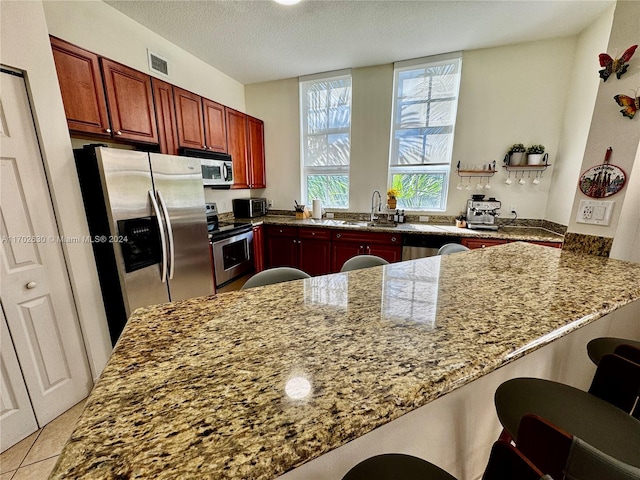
{"x": 537, "y": 158}
{"x": 517, "y": 158}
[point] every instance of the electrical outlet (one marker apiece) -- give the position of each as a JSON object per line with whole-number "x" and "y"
{"x": 595, "y": 212}
{"x": 329, "y": 214}
{"x": 269, "y": 203}
{"x": 424, "y": 218}
{"x": 513, "y": 209}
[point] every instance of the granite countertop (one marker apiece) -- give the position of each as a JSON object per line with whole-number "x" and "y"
{"x": 521, "y": 233}
{"x": 251, "y": 384}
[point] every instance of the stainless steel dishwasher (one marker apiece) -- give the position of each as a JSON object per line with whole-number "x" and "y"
{"x": 424, "y": 245}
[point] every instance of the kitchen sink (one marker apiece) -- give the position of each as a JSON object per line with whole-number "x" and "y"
{"x": 354, "y": 223}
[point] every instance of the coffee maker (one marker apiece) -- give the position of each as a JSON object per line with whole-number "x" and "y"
{"x": 481, "y": 214}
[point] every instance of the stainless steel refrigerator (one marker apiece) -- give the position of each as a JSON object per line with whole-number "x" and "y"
{"x": 146, "y": 215}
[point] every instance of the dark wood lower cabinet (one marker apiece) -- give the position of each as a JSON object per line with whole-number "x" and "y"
{"x": 346, "y": 244}
{"x": 474, "y": 243}
{"x": 305, "y": 248}
{"x": 258, "y": 248}
{"x": 314, "y": 251}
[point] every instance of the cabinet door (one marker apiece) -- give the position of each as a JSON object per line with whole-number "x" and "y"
{"x": 257, "y": 168}
{"x": 165, "y": 116}
{"x": 549, "y": 244}
{"x": 237, "y": 146}
{"x": 314, "y": 250}
{"x": 189, "y": 119}
{"x": 390, "y": 253}
{"x": 215, "y": 130}
{"x": 343, "y": 251}
{"x": 258, "y": 248}
{"x": 81, "y": 88}
{"x": 130, "y": 100}
{"x": 474, "y": 243}
{"x": 281, "y": 245}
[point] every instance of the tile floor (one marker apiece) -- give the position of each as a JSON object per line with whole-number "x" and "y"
{"x": 34, "y": 457}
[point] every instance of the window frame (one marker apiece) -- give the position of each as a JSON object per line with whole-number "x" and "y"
{"x": 338, "y": 170}
{"x": 442, "y": 167}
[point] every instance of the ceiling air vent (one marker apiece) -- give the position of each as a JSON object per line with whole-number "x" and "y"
{"x": 158, "y": 64}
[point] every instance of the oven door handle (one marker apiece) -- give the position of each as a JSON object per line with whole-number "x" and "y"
{"x": 172, "y": 256}
{"x": 163, "y": 240}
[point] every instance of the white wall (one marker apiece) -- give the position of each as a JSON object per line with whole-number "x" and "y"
{"x": 581, "y": 98}
{"x": 513, "y": 94}
{"x": 626, "y": 244}
{"x": 25, "y": 46}
{"x": 608, "y": 127}
{"x": 508, "y": 95}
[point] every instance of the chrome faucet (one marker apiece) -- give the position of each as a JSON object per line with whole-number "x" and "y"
{"x": 373, "y": 205}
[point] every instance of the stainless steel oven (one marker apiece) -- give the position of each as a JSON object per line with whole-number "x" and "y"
{"x": 232, "y": 256}
{"x": 231, "y": 247}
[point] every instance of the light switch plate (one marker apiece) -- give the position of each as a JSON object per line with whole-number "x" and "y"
{"x": 595, "y": 212}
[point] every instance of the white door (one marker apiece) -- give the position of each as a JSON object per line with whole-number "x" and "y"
{"x": 34, "y": 287}
{"x": 16, "y": 415}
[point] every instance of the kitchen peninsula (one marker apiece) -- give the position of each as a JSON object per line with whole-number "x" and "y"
{"x": 252, "y": 384}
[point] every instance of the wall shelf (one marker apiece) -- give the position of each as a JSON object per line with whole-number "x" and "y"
{"x": 489, "y": 172}
{"x": 527, "y": 168}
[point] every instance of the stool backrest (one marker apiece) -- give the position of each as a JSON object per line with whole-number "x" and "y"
{"x": 452, "y": 248}
{"x": 362, "y": 261}
{"x": 562, "y": 455}
{"x": 508, "y": 463}
{"x": 617, "y": 381}
{"x": 275, "y": 275}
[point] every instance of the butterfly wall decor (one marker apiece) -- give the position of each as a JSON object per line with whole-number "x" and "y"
{"x": 618, "y": 66}
{"x": 630, "y": 105}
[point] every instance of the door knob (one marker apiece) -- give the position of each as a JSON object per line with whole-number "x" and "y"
{"x": 31, "y": 285}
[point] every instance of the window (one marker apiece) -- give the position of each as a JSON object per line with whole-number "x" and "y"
{"x": 424, "y": 115}
{"x": 325, "y": 115}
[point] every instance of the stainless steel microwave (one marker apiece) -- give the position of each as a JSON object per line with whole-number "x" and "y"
{"x": 217, "y": 168}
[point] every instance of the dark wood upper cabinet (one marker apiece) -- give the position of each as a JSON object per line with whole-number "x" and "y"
{"x": 189, "y": 119}
{"x": 257, "y": 174}
{"x": 130, "y": 100}
{"x": 215, "y": 126}
{"x": 165, "y": 116}
{"x": 81, "y": 87}
{"x": 237, "y": 147}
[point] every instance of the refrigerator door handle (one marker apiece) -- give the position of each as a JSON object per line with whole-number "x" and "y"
{"x": 172, "y": 256}
{"x": 163, "y": 240}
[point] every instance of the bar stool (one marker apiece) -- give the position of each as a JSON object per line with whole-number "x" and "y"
{"x": 600, "y": 417}
{"x": 449, "y": 248}
{"x": 599, "y": 347}
{"x": 362, "y": 261}
{"x": 275, "y": 275}
{"x": 505, "y": 463}
{"x": 562, "y": 455}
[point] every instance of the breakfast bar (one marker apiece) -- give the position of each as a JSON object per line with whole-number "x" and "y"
{"x": 257, "y": 383}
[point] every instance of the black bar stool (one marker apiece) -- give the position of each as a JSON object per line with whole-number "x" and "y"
{"x": 599, "y": 347}
{"x": 598, "y": 422}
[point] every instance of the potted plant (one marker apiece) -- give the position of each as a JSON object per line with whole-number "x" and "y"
{"x": 392, "y": 197}
{"x": 517, "y": 154}
{"x": 535, "y": 155}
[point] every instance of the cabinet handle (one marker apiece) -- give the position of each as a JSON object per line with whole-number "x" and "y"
{"x": 313, "y": 233}
{"x": 483, "y": 245}
{"x": 107, "y": 130}
{"x": 31, "y": 285}
{"x": 368, "y": 249}
{"x": 118, "y": 132}
{"x": 394, "y": 239}
{"x": 338, "y": 235}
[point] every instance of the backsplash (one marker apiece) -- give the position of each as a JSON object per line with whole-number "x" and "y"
{"x": 437, "y": 220}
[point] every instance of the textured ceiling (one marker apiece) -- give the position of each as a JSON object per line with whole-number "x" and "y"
{"x": 260, "y": 40}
